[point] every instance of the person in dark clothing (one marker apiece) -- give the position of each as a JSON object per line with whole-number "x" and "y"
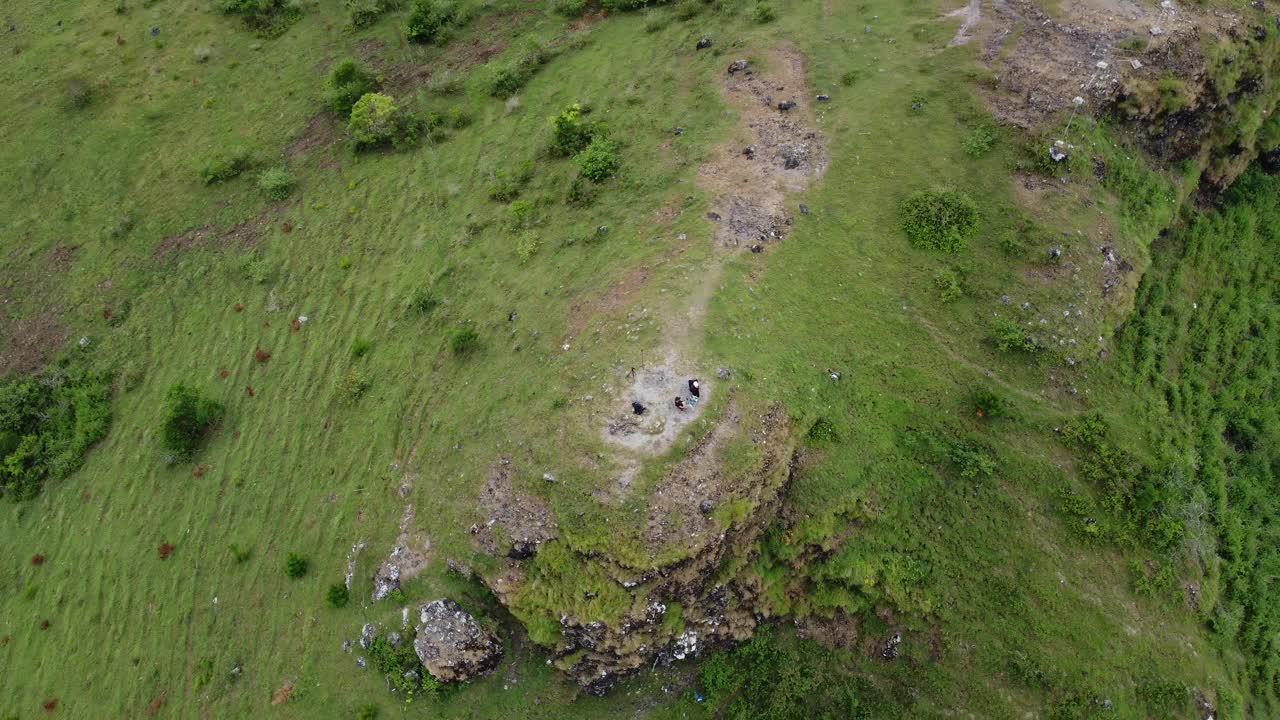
{"x": 694, "y": 388}
{"x": 680, "y": 404}
{"x": 637, "y": 408}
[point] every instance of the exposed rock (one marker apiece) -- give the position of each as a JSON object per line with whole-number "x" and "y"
{"x": 452, "y": 645}
{"x": 737, "y": 66}
{"x": 366, "y": 635}
{"x": 704, "y": 43}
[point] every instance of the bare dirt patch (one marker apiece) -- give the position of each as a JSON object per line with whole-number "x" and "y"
{"x": 242, "y": 235}
{"x": 655, "y": 387}
{"x": 321, "y": 133}
{"x": 26, "y": 344}
{"x": 282, "y": 693}
{"x": 517, "y": 522}
{"x": 840, "y": 631}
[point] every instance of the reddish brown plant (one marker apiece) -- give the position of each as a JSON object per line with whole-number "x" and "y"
{"x": 37, "y": 559}
{"x": 261, "y": 355}
{"x": 50, "y": 705}
{"x": 238, "y": 307}
{"x": 165, "y": 549}
{"x": 197, "y": 471}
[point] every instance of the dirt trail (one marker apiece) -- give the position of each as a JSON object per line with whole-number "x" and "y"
{"x": 774, "y": 151}
{"x": 972, "y": 14}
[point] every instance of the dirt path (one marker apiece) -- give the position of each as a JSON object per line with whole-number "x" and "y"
{"x": 971, "y": 14}
{"x": 774, "y": 151}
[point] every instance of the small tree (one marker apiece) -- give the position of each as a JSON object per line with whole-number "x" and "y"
{"x": 428, "y": 19}
{"x": 600, "y": 160}
{"x": 570, "y": 134}
{"x": 187, "y": 419}
{"x": 348, "y": 82}
{"x": 373, "y": 120}
{"x": 338, "y": 595}
{"x": 296, "y": 566}
{"x": 939, "y": 220}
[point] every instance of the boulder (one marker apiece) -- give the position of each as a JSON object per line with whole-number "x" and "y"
{"x": 451, "y": 644}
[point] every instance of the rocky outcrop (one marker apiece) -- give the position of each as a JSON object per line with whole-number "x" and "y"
{"x": 452, "y": 646}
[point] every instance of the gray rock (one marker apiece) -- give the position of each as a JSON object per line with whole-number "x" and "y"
{"x": 824, "y": 97}
{"x": 366, "y": 635}
{"x": 704, "y": 43}
{"x": 737, "y": 66}
{"x": 723, "y": 373}
{"x": 804, "y": 209}
{"x": 786, "y": 105}
{"x": 360, "y": 661}
{"x": 706, "y": 506}
{"x": 393, "y": 639}
{"x": 451, "y": 644}
{"x": 385, "y": 580}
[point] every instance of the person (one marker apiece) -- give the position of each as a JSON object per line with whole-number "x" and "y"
{"x": 680, "y": 404}
{"x": 637, "y": 408}
{"x": 694, "y": 388}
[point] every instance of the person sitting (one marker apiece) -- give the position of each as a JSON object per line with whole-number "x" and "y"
{"x": 637, "y": 408}
{"x": 680, "y": 404}
{"x": 694, "y": 388}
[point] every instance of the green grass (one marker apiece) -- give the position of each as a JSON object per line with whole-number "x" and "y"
{"x": 953, "y": 522}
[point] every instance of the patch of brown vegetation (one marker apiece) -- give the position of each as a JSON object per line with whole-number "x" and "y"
{"x": 321, "y": 132}
{"x": 154, "y": 706}
{"x": 489, "y": 41}
{"x": 62, "y": 256}
{"x": 282, "y": 693}
{"x": 37, "y": 559}
{"x": 165, "y": 551}
{"x": 197, "y": 471}
{"x": 840, "y": 631}
{"x": 241, "y": 235}
{"x": 52, "y": 703}
{"x": 261, "y": 355}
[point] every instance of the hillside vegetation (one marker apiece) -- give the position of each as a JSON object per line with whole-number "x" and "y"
{"x": 312, "y": 313}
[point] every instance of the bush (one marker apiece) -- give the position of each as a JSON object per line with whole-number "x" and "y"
{"x": 458, "y": 118}
{"x": 353, "y": 384}
{"x": 238, "y": 554}
{"x": 688, "y": 9}
{"x": 360, "y": 347}
{"x": 428, "y": 19}
{"x": 948, "y": 284}
{"x": 79, "y": 94}
{"x": 376, "y": 120}
{"x": 507, "y": 80}
{"x": 528, "y": 245}
{"x": 276, "y": 183}
{"x": 363, "y": 13}
{"x": 1010, "y": 336}
{"x": 338, "y": 596}
{"x": 600, "y": 160}
{"x": 939, "y": 220}
{"x": 348, "y": 82}
{"x": 269, "y": 18}
{"x": 582, "y": 192}
{"x": 48, "y": 422}
{"x": 569, "y": 8}
{"x": 986, "y": 405}
{"x": 224, "y": 168}
{"x": 187, "y": 419}
{"x": 978, "y": 143}
{"x": 367, "y": 712}
{"x": 296, "y": 566}
{"x": 463, "y": 340}
{"x": 570, "y": 134}
{"x": 762, "y": 13}
{"x": 422, "y": 301}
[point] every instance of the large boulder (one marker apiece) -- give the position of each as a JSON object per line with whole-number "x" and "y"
{"x": 452, "y": 645}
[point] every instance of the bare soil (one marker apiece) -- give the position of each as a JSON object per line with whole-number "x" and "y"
{"x": 26, "y": 343}
{"x": 242, "y": 235}
{"x": 516, "y": 522}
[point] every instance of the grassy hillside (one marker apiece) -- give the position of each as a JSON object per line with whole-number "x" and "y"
{"x": 953, "y": 488}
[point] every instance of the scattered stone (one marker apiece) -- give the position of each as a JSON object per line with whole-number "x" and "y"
{"x": 393, "y": 639}
{"x": 1058, "y": 152}
{"x": 804, "y": 209}
{"x": 84, "y": 341}
{"x": 834, "y": 374}
{"x": 704, "y": 43}
{"x": 823, "y": 97}
{"x": 791, "y": 160}
{"x": 678, "y": 130}
{"x": 366, "y": 635}
{"x": 737, "y": 66}
{"x": 452, "y": 645}
{"x": 1135, "y": 63}
{"x": 602, "y": 229}
{"x": 723, "y": 373}
{"x": 1156, "y": 31}
{"x": 890, "y": 649}
{"x": 757, "y": 249}
{"x": 548, "y": 477}
{"x": 786, "y": 105}
{"x": 866, "y": 29}
{"x": 1055, "y": 252}
{"x": 346, "y": 646}
{"x": 155, "y": 31}
{"x": 706, "y": 506}
{"x": 385, "y": 581}
{"x": 361, "y": 662}
{"x": 713, "y": 216}
{"x": 750, "y": 152}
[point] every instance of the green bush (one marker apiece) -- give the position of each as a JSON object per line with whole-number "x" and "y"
{"x": 376, "y": 120}
{"x": 506, "y": 80}
{"x": 338, "y": 596}
{"x": 269, "y": 18}
{"x": 600, "y": 160}
{"x": 353, "y": 384}
{"x": 422, "y": 301}
{"x": 224, "y": 168}
{"x": 347, "y": 83}
{"x": 187, "y": 419}
{"x": 238, "y": 554}
{"x": 948, "y": 285}
{"x": 569, "y": 8}
{"x": 367, "y": 712}
{"x": 363, "y": 13}
{"x": 463, "y": 340}
{"x": 570, "y": 133}
{"x": 688, "y": 9}
{"x": 1009, "y": 336}
{"x": 276, "y": 183}
{"x": 296, "y": 566}
{"x": 48, "y": 422}
{"x": 428, "y": 19}
{"x": 979, "y": 142}
{"x": 528, "y": 245}
{"x": 762, "y": 13}
{"x": 939, "y": 220}
{"x": 458, "y": 118}
{"x": 360, "y": 347}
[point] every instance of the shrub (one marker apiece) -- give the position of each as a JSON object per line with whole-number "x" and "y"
{"x": 367, "y": 712}
{"x": 987, "y": 405}
{"x": 267, "y": 17}
{"x": 224, "y": 168}
{"x": 428, "y": 19}
{"x": 762, "y": 13}
{"x": 506, "y": 80}
{"x": 276, "y": 183}
{"x": 457, "y": 117}
{"x": 581, "y": 192}
{"x": 187, "y": 419}
{"x": 463, "y": 340}
{"x": 238, "y": 554}
{"x": 939, "y": 220}
{"x": 338, "y": 596}
{"x": 521, "y": 214}
{"x": 600, "y": 160}
{"x": 656, "y": 20}
{"x": 296, "y": 566}
{"x": 688, "y": 9}
{"x": 347, "y": 83}
{"x": 569, "y": 8}
{"x": 360, "y": 347}
{"x": 353, "y": 384}
{"x": 1009, "y": 336}
{"x": 78, "y": 94}
{"x": 570, "y": 134}
{"x": 363, "y": 13}
{"x": 850, "y": 77}
{"x": 948, "y": 284}
{"x": 422, "y": 301}
{"x": 48, "y": 421}
{"x": 528, "y": 245}
{"x": 376, "y": 120}
{"x": 978, "y": 143}
{"x": 445, "y": 83}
